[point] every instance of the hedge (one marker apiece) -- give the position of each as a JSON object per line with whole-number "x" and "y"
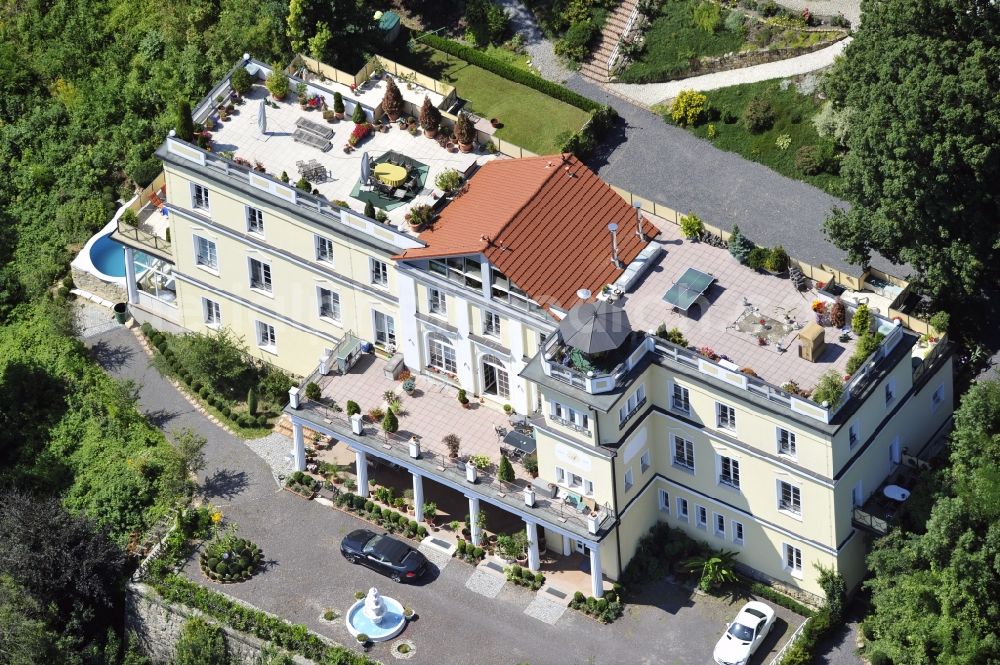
{"x": 292, "y": 637}
{"x": 480, "y": 59}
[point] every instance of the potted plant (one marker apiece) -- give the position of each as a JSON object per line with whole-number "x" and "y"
{"x": 409, "y": 385}
{"x": 430, "y": 512}
{"x": 448, "y": 180}
{"x": 452, "y": 442}
{"x": 363, "y": 640}
{"x": 392, "y": 100}
{"x": 418, "y": 215}
{"x": 277, "y": 83}
{"x": 241, "y": 81}
{"x": 430, "y": 118}
{"x": 465, "y": 132}
{"x": 302, "y": 93}
{"x": 463, "y": 399}
{"x": 338, "y": 105}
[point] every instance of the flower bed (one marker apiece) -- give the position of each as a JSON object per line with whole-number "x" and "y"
{"x": 524, "y": 577}
{"x": 605, "y": 609}
{"x": 468, "y": 552}
{"x": 230, "y": 559}
{"x": 359, "y": 133}
{"x": 302, "y": 484}
{"x": 387, "y": 518}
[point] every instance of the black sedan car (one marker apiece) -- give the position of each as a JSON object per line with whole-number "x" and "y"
{"x": 385, "y": 554}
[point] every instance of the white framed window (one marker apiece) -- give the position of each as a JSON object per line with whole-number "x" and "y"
{"x": 575, "y": 481}
{"x": 205, "y": 254}
{"x": 491, "y": 324}
{"x": 632, "y": 404}
{"x": 441, "y": 354}
{"x": 682, "y": 509}
{"x": 729, "y": 471}
{"x": 628, "y": 479}
{"x": 560, "y": 475}
{"x": 737, "y": 532}
{"x": 683, "y": 453}
{"x": 720, "y": 525}
{"x": 890, "y": 391}
{"x": 680, "y": 400}
{"x": 265, "y": 336}
{"x": 570, "y": 417}
{"x": 588, "y": 487}
{"x": 199, "y": 196}
{"x": 937, "y": 398}
{"x": 437, "y": 302}
{"x": 701, "y": 517}
{"x": 786, "y": 442}
{"x": 793, "y": 559}
{"x": 379, "y": 273}
{"x": 644, "y": 462}
{"x": 324, "y": 249}
{"x": 260, "y": 275}
{"x": 255, "y": 221}
{"x": 329, "y": 304}
{"x": 664, "y": 501}
{"x": 725, "y": 416}
{"x": 385, "y": 329}
{"x": 789, "y": 498}
{"x": 854, "y": 434}
{"x": 212, "y": 312}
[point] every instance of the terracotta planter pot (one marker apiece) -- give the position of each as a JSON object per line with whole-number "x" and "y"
{"x": 430, "y": 133}
{"x": 393, "y": 117}
{"x": 465, "y": 147}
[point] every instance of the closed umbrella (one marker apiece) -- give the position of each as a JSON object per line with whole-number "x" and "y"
{"x": 262, "y": 117}
{"x": 595, "y": 327}
{"x": 366, "y": 169}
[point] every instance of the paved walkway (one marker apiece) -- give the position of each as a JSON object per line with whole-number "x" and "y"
{"x": 305, "y": 574}
{"x": 543, "y": 56}
{"x": 647, "y": 94}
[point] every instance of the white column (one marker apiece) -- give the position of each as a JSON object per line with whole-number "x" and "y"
{"x": 299, "y": 451}
{"x": 418, "y": 497}
{"x": 532, "y": 547}
{"x": 464, "y": 354}
{"x": 361, "y": 462}
{"x": 408, "y": 336}
{"x": 596, "y": 577}
{"x": 130, "y": 282}
{"x": 474, "y": 521}
{"x": 520, "y": 397}
{"x": 567, "y": 546}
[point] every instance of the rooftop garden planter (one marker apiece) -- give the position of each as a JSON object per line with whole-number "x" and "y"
{"x": 230, "y": 559}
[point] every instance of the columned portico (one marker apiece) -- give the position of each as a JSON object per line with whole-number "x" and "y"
{"x": 533, "y": 563}
{"x": 418, "y": 497}
{"x": 299, "y": 448}
{"x": 361, "y": 461}
{"x": 596, "y": 578}
{"x": 130, "y": 280}
{"x": 474, "y": 521}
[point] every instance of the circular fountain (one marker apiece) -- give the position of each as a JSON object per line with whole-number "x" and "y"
{"x": 379, "y": 617}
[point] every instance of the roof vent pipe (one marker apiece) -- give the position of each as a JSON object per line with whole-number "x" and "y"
{"x": 638, "y": 220}
{"x": 583, "y": 294}
{"x": 614, "y": 246}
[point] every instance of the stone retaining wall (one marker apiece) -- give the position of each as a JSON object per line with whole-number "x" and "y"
{"x": 157, "y": 625}
{"x": 87, "y": 282}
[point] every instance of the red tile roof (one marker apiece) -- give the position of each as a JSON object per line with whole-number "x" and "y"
{"x": 542, "y": 221}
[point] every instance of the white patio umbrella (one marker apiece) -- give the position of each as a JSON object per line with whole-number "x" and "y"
{"x": 262, "y": 117}
{"x": 366, "y": 168}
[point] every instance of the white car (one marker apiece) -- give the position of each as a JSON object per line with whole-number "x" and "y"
{"x": 744, "y": 634}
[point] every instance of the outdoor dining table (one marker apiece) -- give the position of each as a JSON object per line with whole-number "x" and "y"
{"x": 521, "y": 443}
{"x": 390, "y": 174}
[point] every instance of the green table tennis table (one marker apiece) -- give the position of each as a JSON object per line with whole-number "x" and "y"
{"x": 685, "y": 291}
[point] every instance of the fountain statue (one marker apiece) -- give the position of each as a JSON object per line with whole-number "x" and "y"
{"x": 379, "y": 617}
{"x": 374, "y": 606}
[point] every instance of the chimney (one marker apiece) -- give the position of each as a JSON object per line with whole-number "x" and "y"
{"x": 614, "y": 246}
{"x": 638, "y": 220}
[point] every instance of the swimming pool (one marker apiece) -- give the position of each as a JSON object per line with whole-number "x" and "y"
{"x": 108, "y": 256}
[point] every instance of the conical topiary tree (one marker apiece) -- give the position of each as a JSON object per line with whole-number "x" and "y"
{"x": 392, "y": 100}
{"x": 185, "y": 124}
{"x": 359, "y": 117}
{"x": 338, "y": 104}
{"x": 430, "y": 117}
{"x": 465, "y": 131}
{"x": 252, "y": 401}
{"x": 369, "y": 210}
{"x": 389, "y": 422}
{"x": 505, "y": 471}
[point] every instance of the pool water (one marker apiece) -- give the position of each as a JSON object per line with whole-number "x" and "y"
{"x": 108, "y": 256}
{"x": 392, "y": 624}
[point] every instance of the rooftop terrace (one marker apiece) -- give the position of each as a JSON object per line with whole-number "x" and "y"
{"x": 278, "y": 151}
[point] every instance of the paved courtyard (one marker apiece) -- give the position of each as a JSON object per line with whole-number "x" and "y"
{"x": 305, "y": 573}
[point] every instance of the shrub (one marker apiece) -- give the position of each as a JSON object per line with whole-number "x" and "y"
{"x": 390, "y": 424}
{"x": 352, "y": 408}
{"x": 688, "y": 107}
{"x": 833, "y": 123}
{"x": 200, "y": 643}
{"x": 313, "y": 391}
{"x": 448, "y": 180}
{"x": 674, "y": 335}
{"x": 476, "y": 57}
{"x": 241, "y": 80}
{"x": 691, "y": 225}
{"x": 735, "y": 21}
{"x": 940, "y": 321}
{"x": 861, "y": 323}
{"x": 757, "y": 258}
{"x": 867, "y": 344}
{"x": 465, "y": 131}
{"x": 460, "y": 546}
{"x": 487, "y": 22}
{"x": 769, "y": 8}
{"x": 739, "y": 245}
{"x": 777, "y": 259}
{"x": 462, "y": 397}
{"x": 830, "y": 389}
{"x": 573, "y": 45}
{"x": 758, "y": 116}
{"x": 506, "y": 471}
{"x": 185, "y": 123}
{"x": 838, "y": 314}
{"x": 359, "y": 117}
{"x": 252, "y": 401}
{"x": 277, "y": 83}
{"x": 707, "y": 17}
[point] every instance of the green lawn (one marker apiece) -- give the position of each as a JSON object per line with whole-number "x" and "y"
{"x": 673, "y": 40}
{"x": 793, "y": 116}
{"x": 530, "y": 118}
